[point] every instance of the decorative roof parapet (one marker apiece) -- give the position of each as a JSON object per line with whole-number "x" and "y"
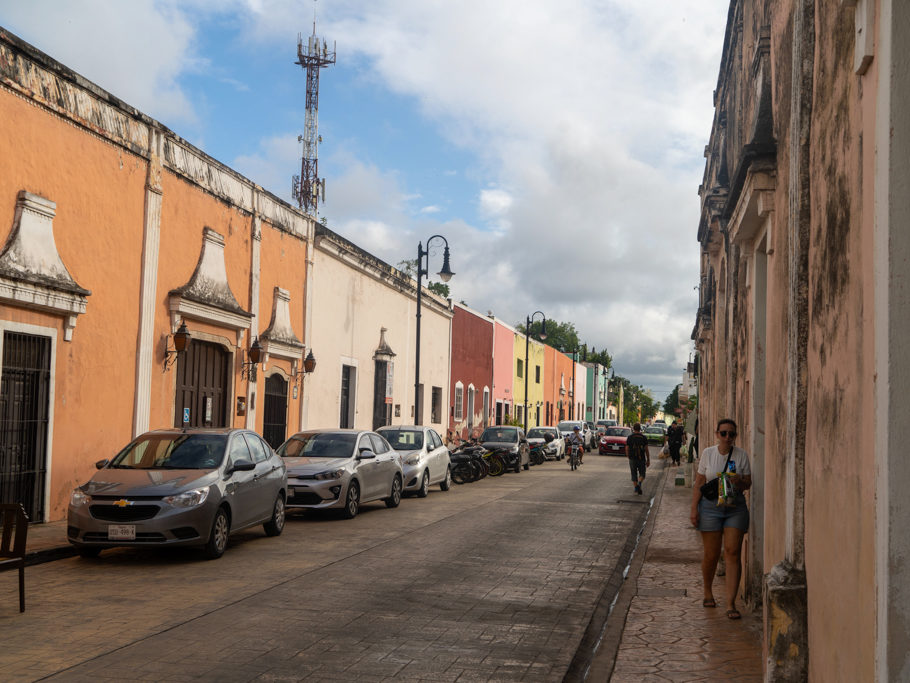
{"x": 32, "y": 274}
{"x": 208, "y": 296}
{"x": 279, "y": 339}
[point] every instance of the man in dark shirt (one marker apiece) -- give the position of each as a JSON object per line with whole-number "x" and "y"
{"x": 675, "y": 434}
{"x": 639, "y": 457}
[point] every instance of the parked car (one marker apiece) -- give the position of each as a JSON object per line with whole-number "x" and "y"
{"x": 424, "y": 458}
{"x": 180, "y": 487}
{"x": 654, "y": 434}
{"x": 613, "y": 441}
{"x": 341, "y": 469}
{"x": 566, "y": 428}
{"x": 606, "y": 423}
{"x": 555, "y": 447}
{"x": 509, "y": 438}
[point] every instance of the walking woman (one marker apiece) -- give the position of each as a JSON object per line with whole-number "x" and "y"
{"x": 722, "y": 526}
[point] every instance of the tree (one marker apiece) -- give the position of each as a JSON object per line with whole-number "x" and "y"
{"x": 672, "y": 402}
{"x": 562, "y": 336}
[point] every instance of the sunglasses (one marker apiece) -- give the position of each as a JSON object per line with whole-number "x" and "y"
{"x": 724, "y": 433}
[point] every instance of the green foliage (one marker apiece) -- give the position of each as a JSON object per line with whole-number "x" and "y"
{"x": 440, "y": 288}
{"x": 672, "y": 402}
{"x": 561, "y": 336}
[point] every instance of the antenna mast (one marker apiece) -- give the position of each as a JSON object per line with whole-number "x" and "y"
{"x": 308, "y": 188}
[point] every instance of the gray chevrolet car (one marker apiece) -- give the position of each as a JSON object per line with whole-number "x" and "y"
{"x": 180, "y": 487}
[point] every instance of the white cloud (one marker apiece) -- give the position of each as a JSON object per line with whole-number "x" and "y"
{"x": 584, "y": 120}
{"x": 137, "y": 50}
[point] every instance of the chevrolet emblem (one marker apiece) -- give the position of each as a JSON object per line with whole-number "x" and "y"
{"x": 122, "y": 503}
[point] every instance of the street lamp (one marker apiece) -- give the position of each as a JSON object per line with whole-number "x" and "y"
{"x": 543, "y": 336}
{"x": 423, "y": 255}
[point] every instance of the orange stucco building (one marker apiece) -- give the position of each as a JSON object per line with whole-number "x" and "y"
{"x": 114, "y": 232}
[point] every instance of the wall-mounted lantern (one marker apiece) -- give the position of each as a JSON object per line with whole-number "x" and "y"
{"x": 254, "y": 355}
{"x": 181, "y": 341}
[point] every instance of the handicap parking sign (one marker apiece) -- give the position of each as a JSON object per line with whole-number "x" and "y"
{"x": 186, "y": 415}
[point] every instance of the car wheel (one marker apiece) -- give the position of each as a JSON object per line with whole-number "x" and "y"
{"x": 395, "y": 499}
{"x": 221, "y": 528}
{"x": 352, "y": 501}
{"x": 446, "y": 483}
{"x": 88, "y": 551}
{"x": 424, "y": 489}
{"x": 275, "y": 525}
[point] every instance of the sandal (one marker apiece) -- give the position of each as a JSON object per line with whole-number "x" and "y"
{"x": 708, "y": 602}
{"x": 733, "y": 614}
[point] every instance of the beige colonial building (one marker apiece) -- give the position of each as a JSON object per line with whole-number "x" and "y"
{"x": 362, "y": 332}
{"x": 804, "y": 319}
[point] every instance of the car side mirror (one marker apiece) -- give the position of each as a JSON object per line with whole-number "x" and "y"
{"x": 101, "y": 464}
{"x": 241, "y": 466}
{"x": 365, "y": 454}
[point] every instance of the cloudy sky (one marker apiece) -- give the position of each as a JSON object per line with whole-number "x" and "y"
{"x": 558, "y": 146}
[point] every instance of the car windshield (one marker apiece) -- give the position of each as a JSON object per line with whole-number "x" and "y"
{"x": 654, "y": 430}
{"x": 567, "y": 426}
{"x": 172, "y": 452}
{"x": 403, "y": 439}
{"x": 618, "y": 431}
{"x": 319, "y": 445}
{"x": 538, "y": 433}
{"x": 499, "y": 434}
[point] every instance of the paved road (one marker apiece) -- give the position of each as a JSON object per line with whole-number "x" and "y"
{"x": 492, "y": 580}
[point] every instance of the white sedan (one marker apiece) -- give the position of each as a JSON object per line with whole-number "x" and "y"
{"x": 556, "y": 444}
{"x": 424, "y": 457}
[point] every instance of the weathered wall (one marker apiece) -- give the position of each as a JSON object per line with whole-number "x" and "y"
{"x": 786, "y": 330}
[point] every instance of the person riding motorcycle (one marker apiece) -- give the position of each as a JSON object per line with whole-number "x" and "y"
{"x": 575, "y": 438}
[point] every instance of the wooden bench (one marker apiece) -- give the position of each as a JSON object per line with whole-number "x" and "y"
{"x": 13, "y": 532}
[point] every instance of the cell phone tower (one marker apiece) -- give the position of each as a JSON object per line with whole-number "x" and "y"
{"x": 308, "y": 189}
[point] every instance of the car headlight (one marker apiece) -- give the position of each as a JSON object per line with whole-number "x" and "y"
{"x": 79, "y": 498}
{"x": 188, "y": 499}
{"x": 331, "y": 474}
{"x": 413, "y": 460}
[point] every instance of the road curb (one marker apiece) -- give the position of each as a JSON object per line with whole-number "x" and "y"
{"x": 596, "y": 655}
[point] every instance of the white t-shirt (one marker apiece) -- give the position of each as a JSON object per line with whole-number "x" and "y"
{"x": 710, "y": 462}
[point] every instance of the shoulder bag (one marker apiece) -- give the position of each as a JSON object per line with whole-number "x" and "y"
{"x": 711, "y": 489}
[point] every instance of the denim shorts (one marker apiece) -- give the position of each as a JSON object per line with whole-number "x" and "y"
{"x": 714, "y": 518}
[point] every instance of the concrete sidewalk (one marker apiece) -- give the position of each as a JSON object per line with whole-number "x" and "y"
{"x": 658, "y": 630}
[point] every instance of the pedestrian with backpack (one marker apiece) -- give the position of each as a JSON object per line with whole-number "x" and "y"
{"x": 639, "y": 457}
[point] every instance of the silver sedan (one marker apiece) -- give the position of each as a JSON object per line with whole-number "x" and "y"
{"x": 341, "y": 468}
{"x": 424, "y": 458}
{"x": 180, "y": 487}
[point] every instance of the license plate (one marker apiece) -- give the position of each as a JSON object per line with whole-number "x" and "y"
{"x": 121, "y": 532}
{"x": 615, "y": 447}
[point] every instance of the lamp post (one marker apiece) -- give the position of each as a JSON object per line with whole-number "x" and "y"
{"x": 543, "y": 335}
{"x": 445, "y": 275}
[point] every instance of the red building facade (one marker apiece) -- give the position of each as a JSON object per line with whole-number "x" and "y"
{"x": 472, "y": 372}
